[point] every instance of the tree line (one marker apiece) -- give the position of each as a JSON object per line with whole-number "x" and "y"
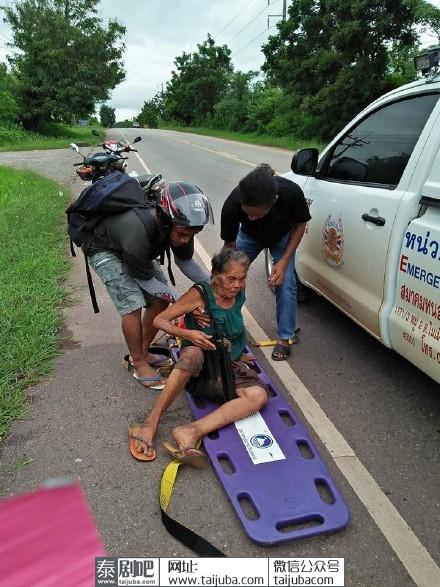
{"x": 64, "y": 61}
{"x": 327, "y": 61}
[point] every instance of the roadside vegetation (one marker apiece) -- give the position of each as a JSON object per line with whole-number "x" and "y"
{"x": 54, "y": 136}
{"x": 310, "y": 85}
{"x": 256, "y": 139}
{"x": 32, "y": 265}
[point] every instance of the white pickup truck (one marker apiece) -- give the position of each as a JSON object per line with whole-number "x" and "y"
{"x": 372, "y": 247}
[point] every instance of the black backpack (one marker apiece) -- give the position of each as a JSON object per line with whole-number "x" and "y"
{"x": 112, "y": 194}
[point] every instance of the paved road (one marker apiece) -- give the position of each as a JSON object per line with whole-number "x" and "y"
{"x": 386, "y": 410}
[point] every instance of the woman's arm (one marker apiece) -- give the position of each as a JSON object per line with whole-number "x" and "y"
{"x": 184, "y": 305}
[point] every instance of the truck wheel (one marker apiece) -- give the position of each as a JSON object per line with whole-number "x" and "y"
{"x": 302, "y": 292}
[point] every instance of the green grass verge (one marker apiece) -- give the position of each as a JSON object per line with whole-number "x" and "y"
{"x": 290, "y": 143}
{"x": 56, "y": 136}
{"x": 32, "y": 265}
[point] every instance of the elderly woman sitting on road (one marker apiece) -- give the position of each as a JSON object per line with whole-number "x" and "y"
{"x": 226, "y": 297}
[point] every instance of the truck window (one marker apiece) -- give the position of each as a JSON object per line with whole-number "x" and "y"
{"x": 377, "y": 149}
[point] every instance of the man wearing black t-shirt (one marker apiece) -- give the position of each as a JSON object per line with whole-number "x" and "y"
{"x": 267, "y": 211}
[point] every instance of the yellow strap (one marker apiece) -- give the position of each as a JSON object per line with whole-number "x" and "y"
{"x": 270, "y": 342}
{"x": 168, "y": 479}
{"x": 167, "y": 483}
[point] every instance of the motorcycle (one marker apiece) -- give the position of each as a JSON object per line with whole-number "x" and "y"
{"x": 97, "y": 165}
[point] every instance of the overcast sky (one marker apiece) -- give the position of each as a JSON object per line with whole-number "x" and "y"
{"x": 160, "y": 30}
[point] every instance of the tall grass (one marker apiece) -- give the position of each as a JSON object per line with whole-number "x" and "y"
{"x": 32, "y": 266}
{"x": 288, "y": 142}
{"x": 52, "y": 136}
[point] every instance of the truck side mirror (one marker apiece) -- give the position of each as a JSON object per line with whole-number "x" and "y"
{"x": 304, "y": 161}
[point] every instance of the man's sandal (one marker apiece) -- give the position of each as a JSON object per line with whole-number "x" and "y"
{"x": 281, "y": 352}
{"x": 158, "y": 362}
{"x": 146, "y": 379}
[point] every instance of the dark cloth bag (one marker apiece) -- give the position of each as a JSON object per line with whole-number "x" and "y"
{"x": 216, "y": 380}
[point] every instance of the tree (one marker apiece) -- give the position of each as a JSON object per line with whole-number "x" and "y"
{"x": 65, "y": 61}
{"x": 231, "y": 112}
{"x": 8, "y": 103}
{"x": 107, "y": 116}
{"x": 428, "y": 17}
{"x": 332, "y": 57}
{"x": 198, "y": 83}
{"x": 151, "y": 112}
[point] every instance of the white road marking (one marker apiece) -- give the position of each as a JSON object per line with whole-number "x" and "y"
{"x": 411, "y": 552}
{"x": 220, "y": 153}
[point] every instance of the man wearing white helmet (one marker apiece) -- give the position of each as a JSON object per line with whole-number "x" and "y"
{"x": 124, "y": 254}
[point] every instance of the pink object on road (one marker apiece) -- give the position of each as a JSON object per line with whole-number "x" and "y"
{"x": 48, "y": 539}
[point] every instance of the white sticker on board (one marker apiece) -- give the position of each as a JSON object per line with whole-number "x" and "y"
{"x": 259, "y": 441}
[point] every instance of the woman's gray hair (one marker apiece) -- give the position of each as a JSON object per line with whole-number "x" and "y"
{"x": 226, "y": 256}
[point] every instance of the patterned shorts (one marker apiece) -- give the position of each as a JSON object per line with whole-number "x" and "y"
{"x": 125, "y": 292}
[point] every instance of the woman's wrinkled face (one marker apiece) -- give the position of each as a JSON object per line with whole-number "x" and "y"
{"x": 233, "y": 278}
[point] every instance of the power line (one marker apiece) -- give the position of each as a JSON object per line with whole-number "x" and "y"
{"x": 236, "y": 16}
{"x": 250, "y": 42}
{"x": 251, "y": 21}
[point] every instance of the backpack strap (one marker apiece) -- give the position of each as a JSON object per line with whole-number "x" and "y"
{"x": 140, "y": 211}
{"x": 202, "y": 289}
{"x": 91, "y": 286}
{"x": 72, "y": 250}
{"x": 170, "y": 272}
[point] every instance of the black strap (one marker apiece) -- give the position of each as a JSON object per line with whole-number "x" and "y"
{"x": 91, "y": 287}
{"x": 170, "y": 272}
{"x": 189, "y": 538}
{"x": 72, "y": 250}
{"x": 202, "y": 289}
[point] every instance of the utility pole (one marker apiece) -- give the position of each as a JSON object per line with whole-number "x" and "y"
{"x": 283, "y": 16}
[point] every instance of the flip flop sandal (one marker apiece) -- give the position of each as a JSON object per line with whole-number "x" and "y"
{"x": 147, "y": 379}
{"x": 160, "y": 362}
{"x": 189, "y": 456}
{"x": 281, "y": 352}
{"x": 133, "y": 438}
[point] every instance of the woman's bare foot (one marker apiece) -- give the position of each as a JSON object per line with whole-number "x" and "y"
{"x": 145, "y": 440}
{"x": 186, "y": 436}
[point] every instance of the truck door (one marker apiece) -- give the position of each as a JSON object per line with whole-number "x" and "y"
{"x": 353, "y": 202}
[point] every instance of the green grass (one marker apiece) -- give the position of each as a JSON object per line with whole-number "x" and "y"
{"x": 32, "y": 265}
{"x": 290, "y": 143}
{"x": 56, "y": 136}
